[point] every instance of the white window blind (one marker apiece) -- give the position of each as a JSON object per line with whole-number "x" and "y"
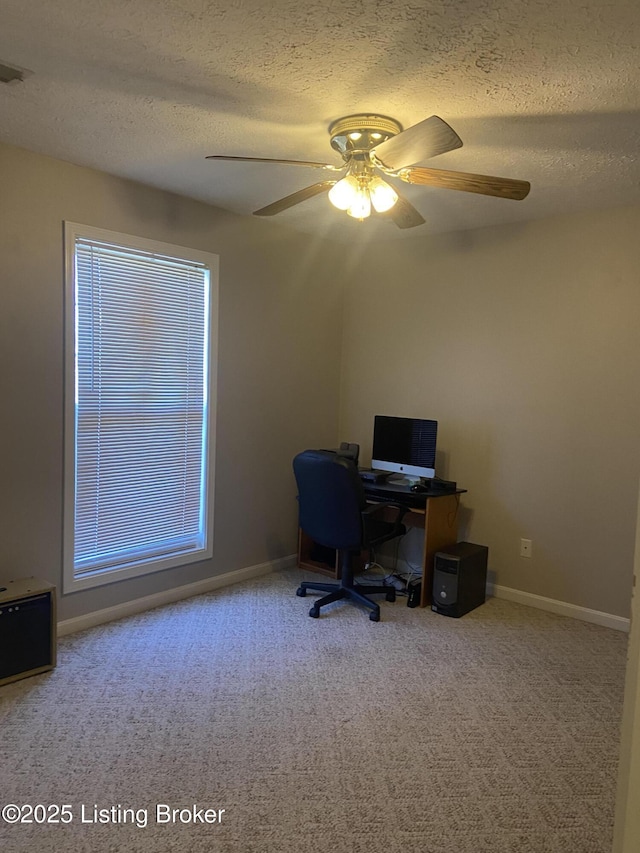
{"x": 141, "y": 409}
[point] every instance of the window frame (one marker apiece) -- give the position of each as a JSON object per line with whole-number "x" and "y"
{"x": 101, "y": 576}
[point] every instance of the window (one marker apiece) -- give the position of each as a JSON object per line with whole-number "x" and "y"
{"x": 139, "y": 405}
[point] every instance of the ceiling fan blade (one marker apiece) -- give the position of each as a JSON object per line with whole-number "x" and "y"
{"x": 294, "y": 198}
{"x": 417, "y": 143}
{"x": 269, "y": 160}
{"x": 467, "y": 182}
{"x": 404, "y": 214}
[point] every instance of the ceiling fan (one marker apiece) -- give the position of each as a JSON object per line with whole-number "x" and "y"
{"x": 374, "y": 145}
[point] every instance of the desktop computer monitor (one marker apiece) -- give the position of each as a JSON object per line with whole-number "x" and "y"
{"x": 405, "y": 446}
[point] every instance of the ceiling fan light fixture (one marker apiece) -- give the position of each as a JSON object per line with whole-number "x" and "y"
{"x": 357, "y": 193}
{"x": 383, "y": 196}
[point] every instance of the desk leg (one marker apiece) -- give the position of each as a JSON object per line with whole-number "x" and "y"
{"x": 440, "y": 532}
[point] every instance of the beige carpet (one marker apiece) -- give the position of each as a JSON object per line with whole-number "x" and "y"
{"x": 494, "y": 733}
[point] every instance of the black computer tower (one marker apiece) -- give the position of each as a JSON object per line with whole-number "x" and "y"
{"x": 459, "y": 579}
{"x": 27, "y": 628}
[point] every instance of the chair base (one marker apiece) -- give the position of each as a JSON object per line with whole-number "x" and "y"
{"x": 355, "y": 593}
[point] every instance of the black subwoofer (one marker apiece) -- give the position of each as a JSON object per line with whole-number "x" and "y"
{"x": 27, "y": 628}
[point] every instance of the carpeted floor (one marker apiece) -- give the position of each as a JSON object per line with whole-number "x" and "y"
{"x": 494, "y": 733}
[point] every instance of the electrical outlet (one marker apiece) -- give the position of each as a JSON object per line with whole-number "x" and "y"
{"x": 526, "y": 547}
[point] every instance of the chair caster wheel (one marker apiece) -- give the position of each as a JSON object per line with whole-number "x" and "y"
{"x": 374, "y": 616}
{"x": 301, "y": 591}
{"x": 391, "y": 595}
{"x": 314, "y": 612}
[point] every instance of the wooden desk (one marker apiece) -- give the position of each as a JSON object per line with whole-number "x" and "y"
{"x": 438, "y": 518}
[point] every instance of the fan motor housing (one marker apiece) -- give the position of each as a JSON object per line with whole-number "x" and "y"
{"x": 361, "y": 132}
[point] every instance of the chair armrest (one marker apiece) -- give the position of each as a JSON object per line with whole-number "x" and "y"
{"x": 379, "y": 530}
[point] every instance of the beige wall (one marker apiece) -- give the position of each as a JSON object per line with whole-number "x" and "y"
{"x": 522, "y": 342}
{"x": 278, "y": 378}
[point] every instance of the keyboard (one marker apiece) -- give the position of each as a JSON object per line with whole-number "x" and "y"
{"x": 394, "y": 493}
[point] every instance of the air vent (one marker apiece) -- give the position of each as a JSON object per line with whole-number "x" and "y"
{"x": 9, "y": 74}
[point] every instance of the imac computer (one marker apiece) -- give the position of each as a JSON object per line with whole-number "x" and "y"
{"x": 405, "y": 447}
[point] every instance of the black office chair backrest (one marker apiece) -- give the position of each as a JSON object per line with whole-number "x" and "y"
{"x": 331, "y": 499}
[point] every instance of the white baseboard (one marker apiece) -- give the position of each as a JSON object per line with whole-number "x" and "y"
{"x": 563, "y": 608}
{"x": 139, "y": 605}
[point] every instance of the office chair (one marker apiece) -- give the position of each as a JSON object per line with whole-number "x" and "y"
{"x": 333, "y": 512}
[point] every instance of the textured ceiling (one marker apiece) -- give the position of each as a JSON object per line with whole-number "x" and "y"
{"x": 541, "y": 90}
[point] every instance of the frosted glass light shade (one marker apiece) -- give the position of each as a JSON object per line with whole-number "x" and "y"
{"x": 343, "y": 194}
{"x": 383, "y": 196}
{"x": 361, "y": 206}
